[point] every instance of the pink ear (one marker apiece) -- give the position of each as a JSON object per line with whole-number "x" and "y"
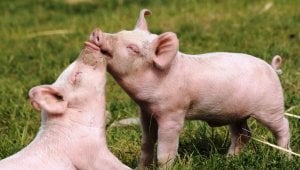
{"x": 166, "y": 49}
{"x": 142, "y": 23}
{"x": 46, "y": 97}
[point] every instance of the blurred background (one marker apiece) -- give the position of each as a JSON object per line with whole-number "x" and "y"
{"x": 39, "y": 38}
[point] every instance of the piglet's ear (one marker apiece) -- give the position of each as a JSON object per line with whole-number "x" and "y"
{"x": 141, "y": 23}
{"x": 47, "y": 98}
{"x": 166, "y": 47}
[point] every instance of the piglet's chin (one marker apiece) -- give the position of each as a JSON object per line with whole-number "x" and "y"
{"x": 93, "y": 46}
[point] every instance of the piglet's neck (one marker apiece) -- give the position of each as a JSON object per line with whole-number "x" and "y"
{"x": 91, "y": 116}
{"x": 91, "y": 56}
{"x": 76, "y": 120}
{"x": 92, "y": 113}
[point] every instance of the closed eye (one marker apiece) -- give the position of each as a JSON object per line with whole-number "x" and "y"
{"x": 133, "y": 48}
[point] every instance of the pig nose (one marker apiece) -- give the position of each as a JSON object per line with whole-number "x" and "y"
{"x": 96, "y": 37}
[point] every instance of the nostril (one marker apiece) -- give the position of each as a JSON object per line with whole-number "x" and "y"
{"x": 95, "y": 37}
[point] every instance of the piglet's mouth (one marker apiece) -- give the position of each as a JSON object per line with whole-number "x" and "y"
{"x": 106, "y": 53}
{"x": 91, "y": 45}
{"x": 97, "y": 48}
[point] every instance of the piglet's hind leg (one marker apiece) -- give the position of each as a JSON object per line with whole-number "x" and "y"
{"x": 279, "y": 126}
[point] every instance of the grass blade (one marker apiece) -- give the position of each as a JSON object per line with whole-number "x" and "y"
{"x": 48, "y": 33}
{"x": 292, "y": 115}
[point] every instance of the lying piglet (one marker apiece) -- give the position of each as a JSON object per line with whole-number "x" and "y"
{"x": 170, "y": 86}
{"x": 72, "y": 132}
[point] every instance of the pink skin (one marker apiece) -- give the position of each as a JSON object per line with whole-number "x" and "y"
{"x": 169, "y": 87}
{"x": 72, "y": 132}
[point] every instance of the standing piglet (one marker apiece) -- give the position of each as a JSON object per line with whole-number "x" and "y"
{"x": 169, "y": 86}
{"x": 72, "y": 132}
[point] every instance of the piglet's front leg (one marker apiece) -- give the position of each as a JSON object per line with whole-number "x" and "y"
{"x": 169, "y": 128}
{"x": 149, "y": 138}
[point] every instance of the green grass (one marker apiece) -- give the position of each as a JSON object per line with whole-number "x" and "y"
{"x": 27, "y": 59}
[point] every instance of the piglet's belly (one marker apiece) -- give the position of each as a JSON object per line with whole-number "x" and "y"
{"x": 217, "y": 119}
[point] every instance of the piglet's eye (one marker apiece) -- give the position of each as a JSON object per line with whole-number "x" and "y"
{"x": 133, "y": 48}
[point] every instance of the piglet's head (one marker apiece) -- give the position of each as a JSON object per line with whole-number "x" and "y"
{"x": 78, "y": 85}
{"x": 136, "y": 51}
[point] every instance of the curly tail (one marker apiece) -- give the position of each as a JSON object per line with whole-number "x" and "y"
{"x": 276, "y": 62}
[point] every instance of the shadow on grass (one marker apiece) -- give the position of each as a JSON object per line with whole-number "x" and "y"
{"x": 202, "y": 140}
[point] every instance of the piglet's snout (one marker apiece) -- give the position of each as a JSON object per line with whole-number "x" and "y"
{"x": 96, "y": 37}
{"x": 100, "y": 41}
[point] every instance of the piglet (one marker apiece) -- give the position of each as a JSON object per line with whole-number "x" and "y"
{"x": 72, "y": 132}
{"x": 169, "y": 86}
